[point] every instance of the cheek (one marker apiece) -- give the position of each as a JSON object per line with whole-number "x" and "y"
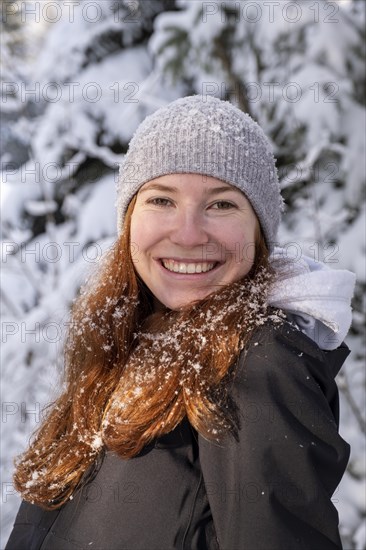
{"x": 240, "y": 242}
{"x": 250, "y": 242}
{"x": 134, "y": 233}
{"x": 145, "y": 234}
{"x": 248, "y": 252}
{"x": 141, "y": 229}
{"x": 137, "y": 239}
{"x": 245, "y": 255}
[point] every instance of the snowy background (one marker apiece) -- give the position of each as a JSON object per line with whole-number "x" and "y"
{"x": 78, "y": 77}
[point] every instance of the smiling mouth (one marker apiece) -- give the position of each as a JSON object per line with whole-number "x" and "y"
{"x": 188, "y": 267}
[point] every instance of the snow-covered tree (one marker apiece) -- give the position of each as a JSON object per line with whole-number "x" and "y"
{"x": 96, "y": 70}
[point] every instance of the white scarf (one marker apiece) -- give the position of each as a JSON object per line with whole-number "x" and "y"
{"x": 316, "y": 298}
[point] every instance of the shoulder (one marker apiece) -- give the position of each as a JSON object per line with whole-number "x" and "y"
{"x": 281, "y": 355}
{"x": 282, "y": 340}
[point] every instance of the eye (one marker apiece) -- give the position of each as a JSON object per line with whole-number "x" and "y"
{"x": 222, "y": 205}
{"x": 159, "y": 201}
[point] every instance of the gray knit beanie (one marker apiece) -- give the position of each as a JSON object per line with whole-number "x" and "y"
{"x": 204, "y": 135}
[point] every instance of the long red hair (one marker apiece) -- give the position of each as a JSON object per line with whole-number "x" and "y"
{"x": 132, "y": 375}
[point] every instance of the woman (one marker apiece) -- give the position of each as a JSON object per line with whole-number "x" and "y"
{"x": 194, "y": 415}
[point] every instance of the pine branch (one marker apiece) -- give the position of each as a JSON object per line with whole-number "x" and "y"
{"x": 221, "y": 51}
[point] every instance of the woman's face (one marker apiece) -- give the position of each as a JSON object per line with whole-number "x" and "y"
{"x": 191, "y": 234}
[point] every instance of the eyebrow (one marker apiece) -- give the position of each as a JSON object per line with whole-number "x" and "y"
{"x": 158, "y": 187}
{"x": 223, "y": 189}
{"x": 169, "y": 189}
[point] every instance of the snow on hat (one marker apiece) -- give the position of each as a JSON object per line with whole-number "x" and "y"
{"x": 204, "y": 135}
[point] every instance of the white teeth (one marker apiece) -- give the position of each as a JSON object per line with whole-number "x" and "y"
{"x": 181, "y": 267}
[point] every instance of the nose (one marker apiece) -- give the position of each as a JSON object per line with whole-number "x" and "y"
{"x": 189, "y": 228}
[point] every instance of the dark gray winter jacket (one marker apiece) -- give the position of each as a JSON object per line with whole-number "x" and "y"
{"x": 271, "y": 490}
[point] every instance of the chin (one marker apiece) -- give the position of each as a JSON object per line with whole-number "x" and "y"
{"x": 181, "y": 303}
